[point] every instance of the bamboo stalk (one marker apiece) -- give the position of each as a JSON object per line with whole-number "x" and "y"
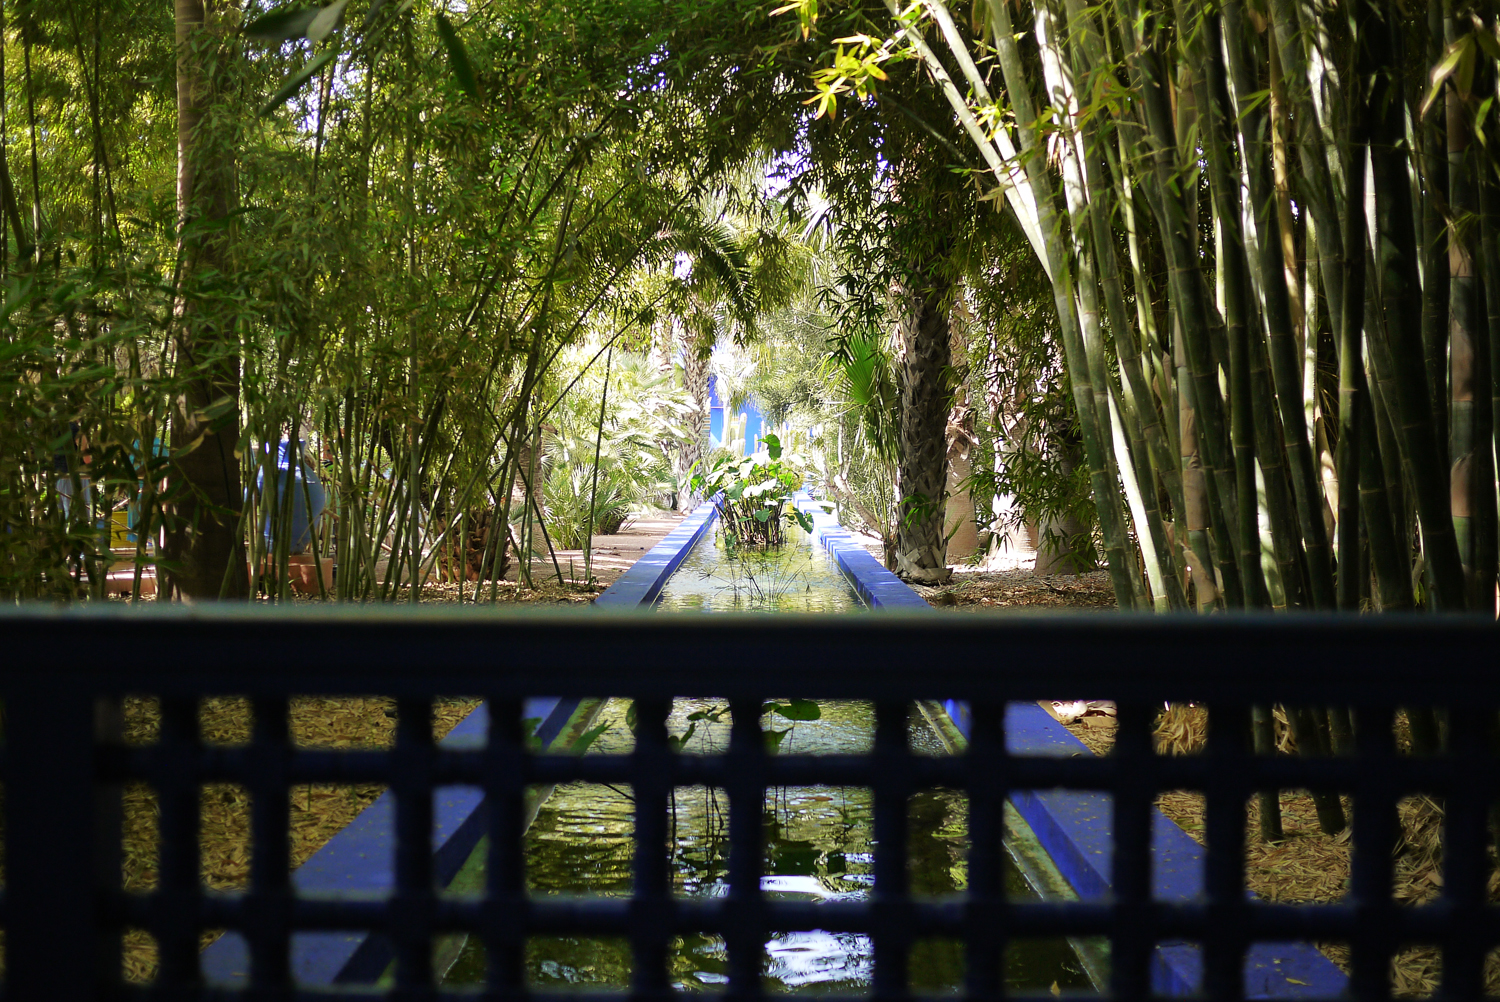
{"x": 1146, "y": 441}
{"x": 1465, "y": 331}
{"x": 1487, "y": 404}
{"x": 1281, "y": 329}
{"x": 1263, "y": 728}
{"x": 1401, "y": 301}
{"x": 1074, "y": 185}
{"x": 1436, "y": 291}
{"x": 588, "y": 539}
{"x": 1190, "y": 299}
{"x": 1105, "y": 492}
{"x": 1201, "y": 48}
{"x": 1352, "y": 403}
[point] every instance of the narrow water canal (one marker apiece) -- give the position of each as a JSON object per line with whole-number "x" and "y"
{"x": 818, "y": 847}
{"x": 818, "y": 841}
{"x": 798, "y": 577}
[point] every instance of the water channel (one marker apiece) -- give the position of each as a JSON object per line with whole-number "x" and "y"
{"x": 718, "y": 577}
{"x": 818, "y": 840}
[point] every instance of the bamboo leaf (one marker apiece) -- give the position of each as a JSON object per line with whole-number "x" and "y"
{"x": 281, "y": 25}
{"x": 1445, "y": 68}
{"x": 299, "y": 79}
{"x": 327, "y": 19}
{"x": 458, "y": 56}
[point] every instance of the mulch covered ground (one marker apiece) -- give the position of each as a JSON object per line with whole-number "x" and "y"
{"x": 982, "y": 591}
{"x": 1309, "y": 867}
{"x": 318, "y": 811}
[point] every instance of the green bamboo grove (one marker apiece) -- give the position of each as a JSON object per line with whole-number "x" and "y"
{"x": 374, "y": 231}
{"x": 418, "y": 235}
{"x": 1270, "y": 233}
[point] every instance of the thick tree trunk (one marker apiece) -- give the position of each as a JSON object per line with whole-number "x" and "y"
{"x": 204, "y": 542}
{"x": 922, "y": 325}
{"x": 959, "y": 527}
{"x": 695, "y": 381}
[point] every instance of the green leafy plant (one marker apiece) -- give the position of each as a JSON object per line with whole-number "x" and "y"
{"x": 792, "y": 710}
{"x": 752, "y": 493}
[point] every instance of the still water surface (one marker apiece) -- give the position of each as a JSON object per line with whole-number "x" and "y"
{"x": 797, "y": 577}
{"x": 818, "y": 848}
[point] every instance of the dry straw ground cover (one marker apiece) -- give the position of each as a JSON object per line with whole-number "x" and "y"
{"x": 1309, "y": 866}
{"x": 980, "y": 591}
{"x": 318, "y": 811}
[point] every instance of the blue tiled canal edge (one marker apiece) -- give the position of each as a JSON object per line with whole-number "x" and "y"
{"x": 878, "y": 588}
{"x": 641, "y": 583}
{"x": 1072, "y": 828}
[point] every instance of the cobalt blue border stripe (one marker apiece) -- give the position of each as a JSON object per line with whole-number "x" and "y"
{"x": 360, "y": 860}
{"x": 641, "y": 583}
{"x": 1074, "y": 829}
{"x": 877, "y": 587}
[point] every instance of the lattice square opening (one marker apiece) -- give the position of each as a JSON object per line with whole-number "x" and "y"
{"x": 578, "y": 963}
{"x": 818, "y": 842}
{"x": 936, "y": 965}
{"x": 818, "y": 960}
{"x": 698, "y": 962}
{"x": 698, "y": 841}
{"x": 937, "y": 842}
{"x": 1032, "y": 966}
{"x": 582, "y": 840}
{"x": 1416, "y": 971}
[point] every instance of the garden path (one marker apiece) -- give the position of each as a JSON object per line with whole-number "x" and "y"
{"x": 613, "y": 554}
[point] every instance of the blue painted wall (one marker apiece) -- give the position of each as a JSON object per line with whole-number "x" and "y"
{"x": 754, "y": 421}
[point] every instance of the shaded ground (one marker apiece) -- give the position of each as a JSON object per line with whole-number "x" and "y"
{"x": 1019, "y": 589}
{"x": 612, "y": 556}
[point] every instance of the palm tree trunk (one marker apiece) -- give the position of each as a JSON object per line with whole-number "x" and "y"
{"x": 922, "y": 327}
{"x": 203, "y": 544}
{"x": 695, "y": 381}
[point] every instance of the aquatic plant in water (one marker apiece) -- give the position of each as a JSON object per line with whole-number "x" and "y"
{"x": 753, "y": 493}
